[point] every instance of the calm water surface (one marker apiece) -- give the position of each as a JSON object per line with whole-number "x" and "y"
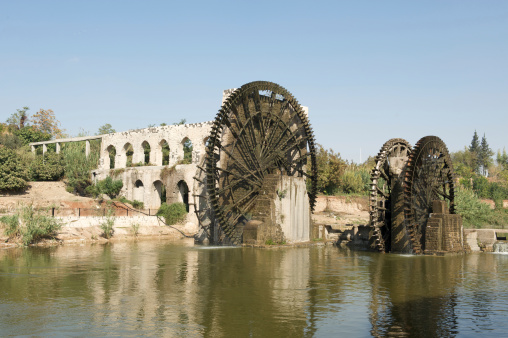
{"x": 168, "y": 289}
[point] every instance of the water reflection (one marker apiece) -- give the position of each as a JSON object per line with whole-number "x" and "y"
{"x": 171, "y": 289}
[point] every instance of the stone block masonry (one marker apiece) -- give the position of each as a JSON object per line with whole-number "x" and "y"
{"x": 444, "y": 232}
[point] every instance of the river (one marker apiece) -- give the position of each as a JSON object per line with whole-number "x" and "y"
{"x": 158, "y": 288}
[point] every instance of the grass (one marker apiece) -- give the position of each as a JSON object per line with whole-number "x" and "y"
{"x": 272, "y": 242}
{"x": 135, "y": 204}
{"x": 107, "y": 225}
{"x": 30, "y": 225}
{"x": 135, "y": 229}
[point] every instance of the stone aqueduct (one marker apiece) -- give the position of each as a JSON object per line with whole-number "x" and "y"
{"x": 147, "y": 182}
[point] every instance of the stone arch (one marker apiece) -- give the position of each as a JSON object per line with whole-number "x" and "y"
{"x": 165, "y": 151}
{"x": 146, "y": 151}
{"x": 187, "y": 150}
{"x": 128, "y": 151}
{"x": 159, "y": 192}
{"x": 183, "y": 195}
{"x": 139, "y": 191}
{"x": 111, "y": 155}
{"x": 205, "y": 140}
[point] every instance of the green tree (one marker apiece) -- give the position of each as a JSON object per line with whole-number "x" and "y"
{"x": 11, "y": 141}
{"x": 106, "y": 186}
{"x": 502, "y": 159}
{"x": 187, "y": 152}
{"x": 46, "y": 122}
{"x": 18, "y": 119}
{"x": 182, "y": 121}
{"x": 48, "y": 167}
{"x": 485, "y": 156}
{"x": 105, "y": 129}
{"x": 13, "y": 174}
{"x": 475, "y": 149}
{"x": 330, "y": 168}
{"x": 464, "y": 162}
{"x": 78, "y": 166}
{"x": 30, "y": 134}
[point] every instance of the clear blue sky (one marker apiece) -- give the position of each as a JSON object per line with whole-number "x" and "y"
{"x": 368, "y": 70}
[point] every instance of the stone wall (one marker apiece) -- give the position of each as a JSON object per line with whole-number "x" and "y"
{"x": 145, "y": 183}
{"x": 174, "y": 135}
{"x": 292, "y": 209}
{"x": 444, "y": 231}
{"x": 281, "y": 213}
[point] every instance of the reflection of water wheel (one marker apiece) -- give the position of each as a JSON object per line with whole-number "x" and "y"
{"x": 389, "y": 164}
{"x": 260, "y": 130}
{"x": 429, "y": 177}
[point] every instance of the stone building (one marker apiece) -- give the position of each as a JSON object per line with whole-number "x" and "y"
{"x": 150, "y": 162}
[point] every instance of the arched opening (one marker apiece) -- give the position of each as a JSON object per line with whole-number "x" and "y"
{"x": 129, "y": 151}
{"x": 146, "y": 150}
{"x": 205, "y": 140}
{"x": 160, "y": 189}
{"x": 139, "y": 191}
{"x": 187, "y": 151}
{"x": 165, "y": 152}
{"x": 111, "y": 154}
{"x": 184, "y": 194}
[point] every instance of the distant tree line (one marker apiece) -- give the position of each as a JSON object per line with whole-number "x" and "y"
{"x": 18, "y": 165}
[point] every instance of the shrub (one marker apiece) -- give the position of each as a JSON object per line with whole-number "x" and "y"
{"x": 351, "y": 182}
{"x": 474, "y": 212}
{"x": 78, "y": 165}
{"x": 172, "y": 213}
{"x": 48, "y": 167}
{"x": 135, "y": 229}
{"x": 13, "y": 174}
{"x": 135, "y": 204}
{"x": 30, "y": 225}
{"x": 106, "y": 186}
{"x": 138, "y": 204}
{"x": 107, "y": 225}
{"x": 11, "y": 141}
{"x": 30, "y": 134}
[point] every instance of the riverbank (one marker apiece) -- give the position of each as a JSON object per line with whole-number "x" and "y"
{"x": 82, "y": 217}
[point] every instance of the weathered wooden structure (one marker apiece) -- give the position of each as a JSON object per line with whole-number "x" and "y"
{"x": 259, "y": 156}
{"x": 412, "y": 207}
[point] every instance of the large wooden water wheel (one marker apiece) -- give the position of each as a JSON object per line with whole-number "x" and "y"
{"x": 260, "y": 130}
{"x": 390, "y": 163}
{"x": 429, "y": 177}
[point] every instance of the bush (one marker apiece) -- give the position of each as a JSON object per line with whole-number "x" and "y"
{"x": 355, "y": 181}
{"x": 48, "y": 167}
{"x": 13, "y": 173}
{"x": 474, "y": 212}
{"x": 107, "y": 225}
{"x": 138, "y": 204}
{"x": 172, "y": 213}
{"x": 78, "y": 165}
{"x": 11, "y": 141}
{"x": 30, "y": 134}
{"x": 30, "y": 225}
{"x": 106, "y": 186}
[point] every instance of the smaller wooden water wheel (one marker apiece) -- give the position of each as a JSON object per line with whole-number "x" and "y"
{"x": 429, "y": 177}
{"x": 390, "y": 163}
